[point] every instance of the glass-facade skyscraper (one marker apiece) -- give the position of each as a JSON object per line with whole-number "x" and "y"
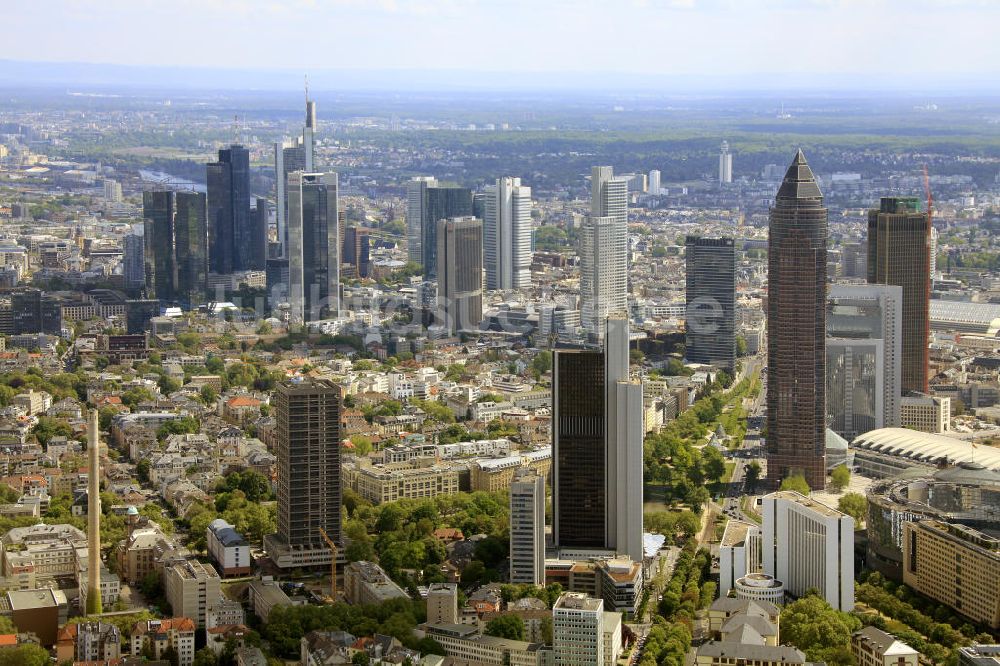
{"x": 313, "y": 246}
{"x": 796, "y": 329}
{"x": 176, "y": 246}
{"x": 710, "y": 321}
{"x": 231, "y": 233}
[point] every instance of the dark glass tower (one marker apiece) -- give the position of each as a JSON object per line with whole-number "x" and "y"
{"x": 439, "y": 203}
{"x": 176, "y": 246}
{"x": 710, "y": 323}
{"x": 231, "y": 234}
{"x": 899, "y": 254}
{"x": 258, "y": 237}
{"x": 796, "y": 329}
{"x": 313, "y": 246}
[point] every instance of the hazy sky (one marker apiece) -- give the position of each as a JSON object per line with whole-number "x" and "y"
{"x": 939, "y": 38}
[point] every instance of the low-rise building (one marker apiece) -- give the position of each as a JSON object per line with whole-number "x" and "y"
{"x": 874, "y": 647}
{"x": 368, "y": 583}
{"x": 192, "y": 589}
{"x": 388, "y": 483}
{"x": 442, "y": 603}
{"x": 228, "y": 548}
{"x": 265, "y": 595}
{"x": 88, "y": 641}
{"x": 465, "y": 644}
{"x": 926, "y": 413}
{"x": 161, "y": 635}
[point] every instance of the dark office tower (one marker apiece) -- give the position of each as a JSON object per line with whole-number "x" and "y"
{"x": 139, "y": 313}
{"x": 258, "y": 238}
{"x": 133, "y": 268}
{"x": 597, "y": 433}
{"x": 34, "y": 312}
{"x": 711, "y": 302}
{"x": 460, "y": 273}
{"x": 191, "y": 248}
{"x": 176, "y": 246}
{"x": 899, "y": 238}
{"x": 313, "y": 246}
{"x": 796, "y": 329}
{"x": 357, "y": 250}
{"x": 276, "y": 274}
{"x": 439, "y": 203}
{"x": 158, "y": 252}
{"x": 307, "y": 445}
{"x": 229, "y": 227}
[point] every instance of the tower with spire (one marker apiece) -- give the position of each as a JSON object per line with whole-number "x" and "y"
{"x": 796, "y": 329}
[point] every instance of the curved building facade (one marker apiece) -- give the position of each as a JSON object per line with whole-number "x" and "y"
{"x": 967, "y": 494}
{"x": 760, "y": 587}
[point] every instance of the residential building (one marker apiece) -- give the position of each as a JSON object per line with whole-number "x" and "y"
{"x": 161, "y": 635}
{"x": 442, "y": 603}
{"x": 874, "y": 647}
{"x": 465, "y": 644}
{"x": 808, "y": 545}
{"x": 38, "y": 611}
{"x": 926, "y": 413}
{"x": 368, "y": 583}
{"x": 654, "y": 182}
{"x": 313, "y": 250}
{"x": 460, "y": 273}
{"x": 527, "y": 529}
{"x": 899, "y": 254}
{"x": 955, "y": 565}
{"x": 710, "y": 319}
{"x": 228, "y": 548}
{"x": 597, "y": 436}
{"x": 309, "y": 474}
{"x": 578, "y": 631}
{"x": 796, "y": 329}
{"x": 979, "y": 655}
{"x": 507, "y": 229}
{"x": 863, "y": 358}
{"x": 88, "y": 641}
{"x": 191, "y": 588}
{"x": 265, "y": 595}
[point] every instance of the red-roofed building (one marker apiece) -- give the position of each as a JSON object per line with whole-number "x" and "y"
{"x": 241, "y": 409}
{"x": 177, "y": 632}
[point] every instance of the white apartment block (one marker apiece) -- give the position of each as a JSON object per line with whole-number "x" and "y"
{"x": 527, "y": 529}
{"x": 809, "y": 545}
{"x": 578, "y": 631}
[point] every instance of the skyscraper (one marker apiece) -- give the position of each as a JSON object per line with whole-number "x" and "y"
{"x": 507, "y": 234}
{"x": 899, "y": 253}
{"x": 309, "y": 479}
{"x": 414, "y": 219}
{"x": 654, "y": 182}
{"x": 230, "y": 232}
{"x": 439, "y": 203}
{"x": 597, "y": 438}
{"x": 604, "y": 251}
{"x": 258, "y": 241}
{"x": 863, "y": 353}
{"x": 289, "y": 156}
{"x": 527, "y": 529}
{"x": 710, "y": 322}
{"x": 176, "y": 246}
{"x": 313, "y": 246}
{"x": 796, "y": 328}
{"x": 725, "y": 164}
{"x": 357, "y": 250}
{"x": 133, "y": 269}
{"x": 460, "y": 273}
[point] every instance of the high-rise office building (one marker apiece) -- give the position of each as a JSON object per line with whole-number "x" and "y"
{"x": 597, "y": 436}
{"x": 176, "y": 246}
{"x": 654, "y": 182}
{"x": 710, "y": 321}
{"x": 112, "y": 191}
{"x": 854, "y": 260}
{"x": 578, "y": 630}
{"x": 357, "y": 250}
{"x": 258, "y": 243}
{"x": 604, "y": 251}
{"x": 796, "y": 329}
{"x": 725, "y": 164}
{"x": 807, "y": 545}
{"x": 459, "y": 257}
{"x": 313, "y": 246}
{"x": 439, "y": 203}
{"x": 899, "y": 254}
{"x": 507, "y": 234}
{"x": 290, "y": 156}
{"x": 230, "y": 231}
{"x": 863, "y": 352}
{"x": 309, "y": 477}
{"x": 527, "y": 529}
{"x": 414, "y": 219}
{"x": 133, "y": 268}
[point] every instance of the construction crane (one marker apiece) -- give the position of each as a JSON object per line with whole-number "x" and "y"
{"x": 333, "y": 563}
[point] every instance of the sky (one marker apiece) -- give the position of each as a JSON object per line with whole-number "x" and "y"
{"x": 912, "y": 40}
